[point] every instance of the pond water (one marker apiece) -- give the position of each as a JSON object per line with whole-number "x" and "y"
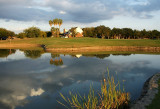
{"x": 32, "y": 79}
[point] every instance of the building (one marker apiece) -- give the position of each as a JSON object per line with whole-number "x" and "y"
{"x": 79, "y": 32}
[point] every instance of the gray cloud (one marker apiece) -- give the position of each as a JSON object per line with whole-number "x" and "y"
{"x": 75, "y": 10}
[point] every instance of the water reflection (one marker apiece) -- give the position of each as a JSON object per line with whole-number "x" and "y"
{"x": 6, "y": 52}
{"x": 35, "y": 84}
{"x": 34, "y": 54}
{"x": 56, "y": 60}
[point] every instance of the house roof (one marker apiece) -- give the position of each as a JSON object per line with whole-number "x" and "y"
{"x": 78, "y": 30}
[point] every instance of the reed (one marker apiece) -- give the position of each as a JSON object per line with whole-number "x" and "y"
{"x": 110, "y": 97}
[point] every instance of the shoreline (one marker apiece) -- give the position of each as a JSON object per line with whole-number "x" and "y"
{"x": 150, "y": 89}
{"x": 104, "y": 48}
{"x": 83, "y": 49}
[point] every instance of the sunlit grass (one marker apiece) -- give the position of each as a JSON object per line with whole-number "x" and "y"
{"x": 84, "y": 42}
{"x": 110, "y": 97}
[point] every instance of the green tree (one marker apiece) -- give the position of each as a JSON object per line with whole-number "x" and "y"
{"x": 50, "y": 23}
{"x": 32, "y": 32}
{"x": 155, "y": 34}
{"x": 43, "y": 34}
{"x": 55, "y": 31}
{"x": 143, "y": 34}
{"x": 116, "y": 33}
{"x": 55, "y": 21}
{"x": 4, "y": 33}
{"x": 60, "y": 22}
{"x": 100, "y": 31}
{"x": 137, "y": 34}
{"x": 21, "y": 35}
{"x": 72, "y": 30}
{"x": 127, "y": 33}
{"x": 89, "y": 32}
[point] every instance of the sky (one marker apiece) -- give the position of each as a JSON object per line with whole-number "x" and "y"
{"x": 17, "y": 15}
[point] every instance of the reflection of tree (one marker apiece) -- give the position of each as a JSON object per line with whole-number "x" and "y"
{"x": 55, "y": 55}
{"x": 101, "y": 56}
{"x": 32, "y": 53}
{"x": 125, "y": 54}
{"x": 6, "y": 52}
{"x": 56, "y": 62}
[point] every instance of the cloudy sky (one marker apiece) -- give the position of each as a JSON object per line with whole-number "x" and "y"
{"x": 17, "y": 15}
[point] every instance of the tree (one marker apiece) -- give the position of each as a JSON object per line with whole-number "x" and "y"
{"x": 127, "y": 33}
{"x": 55, "y": 31}
{"x": 32, "y": 32}
{"x": 107, "y": 32}
{"x": 60, "y": 21}
{"x": 116, "y": 33}
{"x": 21, "y": 35}
{"x": 99, "y": 30}
{"x": 4, "y": 34}
{"x": 43, "y": 34}
{"x": 155, "y": 34}
{"x": 89, "y": 32}
{"x": 50, "y": 23}
{"x": 143, "y": 34}
{"x": 137, "y": 34}
{"x": 55, "y": 22}
{"x": 49, "y": 33}
{"x": 72, "y": 30}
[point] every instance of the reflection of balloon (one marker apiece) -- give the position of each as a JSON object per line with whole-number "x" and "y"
{"x": 56, "y": 62}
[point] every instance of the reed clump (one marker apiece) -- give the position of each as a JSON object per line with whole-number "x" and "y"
{"x": 110, "y": 97}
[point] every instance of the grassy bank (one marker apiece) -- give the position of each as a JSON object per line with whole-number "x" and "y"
{"x": 82, "y": 42}
{"x": 155, "y": 103}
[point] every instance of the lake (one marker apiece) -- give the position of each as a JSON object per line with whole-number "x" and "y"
{"x": 32, "y": 79}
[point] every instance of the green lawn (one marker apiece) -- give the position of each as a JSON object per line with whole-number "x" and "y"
{"x": 84, "y": 42}
{"x": 155, "y": 103}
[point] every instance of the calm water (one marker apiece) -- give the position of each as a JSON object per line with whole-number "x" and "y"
{"x": 33, "y": 79}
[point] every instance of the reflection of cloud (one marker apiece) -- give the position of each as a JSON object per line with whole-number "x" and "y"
{"x": 63, "y": 66}
{"x": 36, "y": 92}
{"x": 60, "y": 84}
{"x": 12, "y": 101}
{"x": 18, "y": 83}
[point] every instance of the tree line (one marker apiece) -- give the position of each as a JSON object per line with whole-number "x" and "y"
{"x": 95, "y": 32}
{"x": 119, "y": 33}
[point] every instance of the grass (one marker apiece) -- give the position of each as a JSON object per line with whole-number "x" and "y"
{"x": 110, "y": 97}
{"x": 84, "y": 42}
{"x": 155, "y": 103}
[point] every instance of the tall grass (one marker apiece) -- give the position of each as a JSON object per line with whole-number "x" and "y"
{"x": 110, "y": 97}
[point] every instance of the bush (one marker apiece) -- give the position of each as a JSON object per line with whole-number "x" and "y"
{"x": 32, "y": 32}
